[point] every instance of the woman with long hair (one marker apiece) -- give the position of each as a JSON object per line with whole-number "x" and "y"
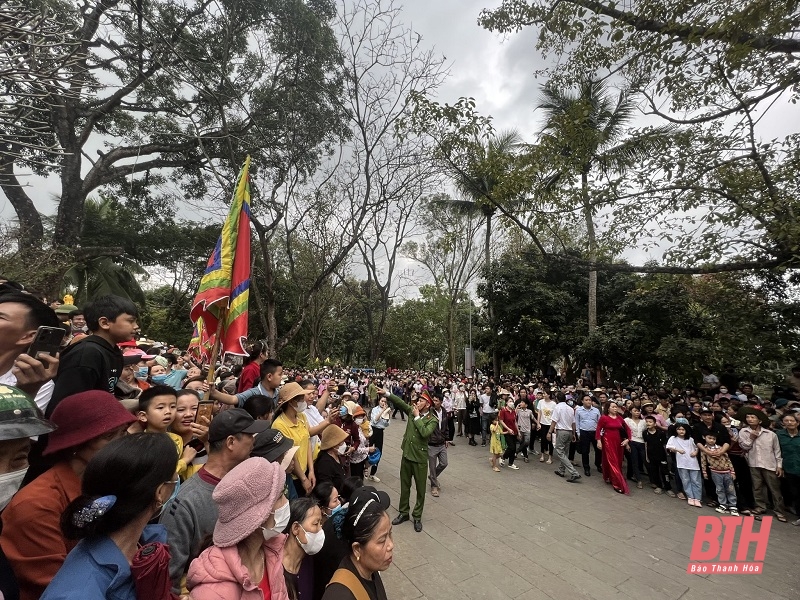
{"x": 613, "y": 436}
{"x": 125, "y": 486}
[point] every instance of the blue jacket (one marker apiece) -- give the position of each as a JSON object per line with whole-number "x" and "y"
{"x": 96, "y": 569}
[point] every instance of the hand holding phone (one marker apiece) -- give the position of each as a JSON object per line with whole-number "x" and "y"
{"x": 32, "y": 373}
{"x": 47, "y": 341}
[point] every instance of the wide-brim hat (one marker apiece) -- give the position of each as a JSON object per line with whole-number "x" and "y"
{"x": 332, "y": 436}
{"x": 245, "y": 497}
{"x": 749, "y": 410}
{"x": 503, "y": 392}
{"x": 83, "y": 417}
{"x": 290, "y": 391}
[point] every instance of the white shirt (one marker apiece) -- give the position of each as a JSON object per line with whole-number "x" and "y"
{"x": 637, "y": 431}
{"x": 486, "y": 408}
{"x": 546, "y": 409}
{"x": 685, "y": 460}
{"x": 314, "y": 418}
{"x": 43, "y": 396}
{"x": 564, "y": 416}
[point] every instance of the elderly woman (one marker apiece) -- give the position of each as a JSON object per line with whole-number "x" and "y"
{"x": 32, "y": 539}
{"x": 367, "y": 530}
{"x": 246, "y": 560}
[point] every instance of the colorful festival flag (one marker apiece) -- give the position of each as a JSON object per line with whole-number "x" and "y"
{"x": 224, "y": 290}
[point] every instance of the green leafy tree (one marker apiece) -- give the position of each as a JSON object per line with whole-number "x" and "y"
{"x": 588, "y": 130}
{"x": 163, "y": 92}
{"x": 717, "y": 199}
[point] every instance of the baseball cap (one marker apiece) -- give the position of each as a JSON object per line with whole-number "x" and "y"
{"x": 233, "y": 421}
{"x": 271, "y": 444}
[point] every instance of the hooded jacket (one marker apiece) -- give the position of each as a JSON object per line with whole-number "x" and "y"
{"x": 91, "y": 364}
{"x": 218, "y": 574}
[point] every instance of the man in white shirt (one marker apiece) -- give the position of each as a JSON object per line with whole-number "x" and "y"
{"x": 563, "y": 424}
{"x": 20, "y": 317}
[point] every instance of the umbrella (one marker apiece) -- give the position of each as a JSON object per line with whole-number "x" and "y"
{"x": 150, "y": 571}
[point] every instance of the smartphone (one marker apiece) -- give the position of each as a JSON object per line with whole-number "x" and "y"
{"x": 204, "y": 409}
{"x": 47, "y": 341}
{"x": 196, "y": 444}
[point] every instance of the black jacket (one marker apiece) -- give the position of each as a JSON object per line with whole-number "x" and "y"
{"x": 90, "y": 364}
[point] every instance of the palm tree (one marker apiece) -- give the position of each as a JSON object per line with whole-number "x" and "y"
{"x": 478, "y": 180}
{"x": 588, "y": 127}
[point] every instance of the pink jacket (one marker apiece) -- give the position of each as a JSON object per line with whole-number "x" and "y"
{"x": 218, "y": 574}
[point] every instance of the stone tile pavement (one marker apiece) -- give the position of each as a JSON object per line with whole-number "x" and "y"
{"x": 528, "y": 534}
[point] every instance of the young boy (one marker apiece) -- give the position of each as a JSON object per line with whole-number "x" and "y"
{"x": 95, "y": 362}
{"x": 655, "y": 455}
{"x": 722, "y": 474}
{"x": 157, "y": 410}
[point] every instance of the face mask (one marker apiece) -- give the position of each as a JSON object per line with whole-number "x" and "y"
{"x": 170, "y": 499}
{"x": 301, "y": 406}
{"x": 201, "y": 394}
{"x": 159, "y": 378}
{"x": 9, "y": 484}
{"x": 342, "y": 448}
{"x": 281, "y": 521}
{"x": 359, "y": 420}
{"x": 314, "y": 543}
{"x": 570, "y": 403}
{"x": 141, "y": 373}
{"x": 342, "y": 411}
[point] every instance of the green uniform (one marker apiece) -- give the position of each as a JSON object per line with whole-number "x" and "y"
{"x": 414, "y": 463}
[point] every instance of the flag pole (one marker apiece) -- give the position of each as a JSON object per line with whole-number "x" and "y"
{"x": 215, "y": 348}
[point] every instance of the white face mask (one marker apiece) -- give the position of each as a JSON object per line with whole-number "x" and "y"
{"x": 359, "y": 420}
{"x": 314, "y": 543}
{"x": 301, "y": 406}
{"x": 342, "y": 448}
{"x": 9, "y": 485}
{"x": 281, "y": 521}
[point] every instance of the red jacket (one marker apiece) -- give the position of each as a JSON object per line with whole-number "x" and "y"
{"x": 32, "y": 539}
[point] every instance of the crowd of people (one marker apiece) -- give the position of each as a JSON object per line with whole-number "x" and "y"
{"x": 130, "y": 471}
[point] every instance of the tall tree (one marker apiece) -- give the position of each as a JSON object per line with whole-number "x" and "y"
{"x": 480, "y": 178}
{"x": 718, "y": 198}
{"x": 451, "y": 254}
{"x": 588, "y": 129}
{"x": 173, "y": 88}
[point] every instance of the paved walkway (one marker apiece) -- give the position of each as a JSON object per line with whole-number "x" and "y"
{"x": 528, "y": 534}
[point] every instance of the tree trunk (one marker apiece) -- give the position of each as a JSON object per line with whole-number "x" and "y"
{"x": 31, "y": 229}
{"x": 590, "y": 233}
{"x": 497, "y": 364}
{"x": 451, "y": 335}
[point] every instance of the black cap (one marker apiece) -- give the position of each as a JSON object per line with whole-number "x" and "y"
{"x": 271, "y": 444}
{"x": 233, "y": 421}
{"x": 706, "y": 411}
